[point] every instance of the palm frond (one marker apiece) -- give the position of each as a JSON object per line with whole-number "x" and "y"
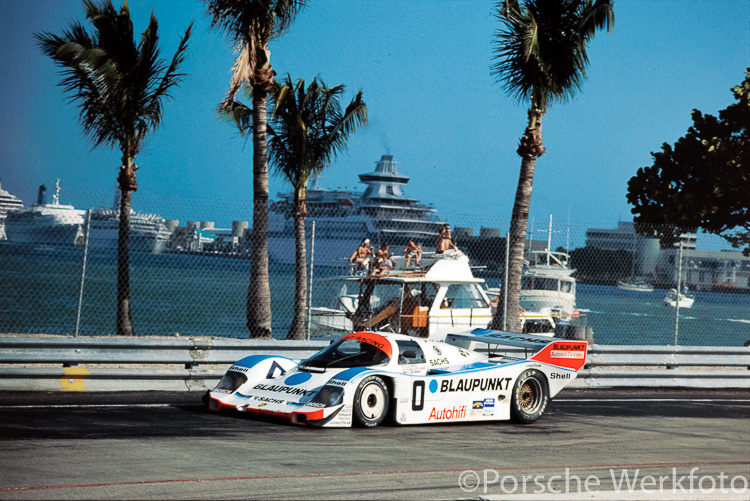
{"x": 309, "y": 127}
{"x": 252, "y": 24}
{"x": 118, "y": 86}
{"x": 266, "y": 19}
{"x": 239, "y": 115}
{"x": 541, "y": 46}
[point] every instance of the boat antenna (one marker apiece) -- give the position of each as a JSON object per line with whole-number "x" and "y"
{"x": 549, "y": 239}
{"x": 56, "y": 196}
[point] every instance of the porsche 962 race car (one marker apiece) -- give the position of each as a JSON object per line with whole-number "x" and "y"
{"x": 366, "y": 377}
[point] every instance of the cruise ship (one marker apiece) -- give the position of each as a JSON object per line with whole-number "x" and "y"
{"x": 148, "y": 232}
{"x": 45, "y": 224}
{"x": 383, "y": 213}
{"x": 8, "y": 203}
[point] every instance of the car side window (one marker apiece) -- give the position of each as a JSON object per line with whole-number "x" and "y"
{"x": 409, "y": 352}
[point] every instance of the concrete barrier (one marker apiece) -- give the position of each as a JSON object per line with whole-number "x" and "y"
{"x": 197, "y": 364}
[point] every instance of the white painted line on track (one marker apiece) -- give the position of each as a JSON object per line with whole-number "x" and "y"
{"x": 82, "y": 406}
{"x": 656, "y": 400}
{"x": 557, "y": 400}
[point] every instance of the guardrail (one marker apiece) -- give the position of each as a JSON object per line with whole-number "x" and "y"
{"x": 666, "y": 366}
{"x": 197, "y": 363}
{"x": 129, "y": 364}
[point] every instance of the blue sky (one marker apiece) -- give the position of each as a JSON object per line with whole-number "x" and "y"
{"x": 424, "y": 67}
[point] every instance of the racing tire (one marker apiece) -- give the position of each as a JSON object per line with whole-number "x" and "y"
{"x": 371, "y": 402}
{"x": 530, "y": 397}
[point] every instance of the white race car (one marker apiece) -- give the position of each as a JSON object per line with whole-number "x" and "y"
{"x": 365, "y": 378}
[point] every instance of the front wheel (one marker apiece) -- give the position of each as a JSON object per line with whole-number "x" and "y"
{"x": 370, "y": 402}
{"x": 530, "y": 397}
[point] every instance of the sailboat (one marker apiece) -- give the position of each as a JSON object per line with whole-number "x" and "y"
{"x": 633, "y": 283}
{"x": 675, "y": 298}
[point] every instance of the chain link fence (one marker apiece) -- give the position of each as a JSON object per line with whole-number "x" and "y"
{"x": 191, "y": 278}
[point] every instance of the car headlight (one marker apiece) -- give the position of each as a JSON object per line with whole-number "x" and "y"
{"x": 328, "y": 396}
{"x": 231, "y": 381}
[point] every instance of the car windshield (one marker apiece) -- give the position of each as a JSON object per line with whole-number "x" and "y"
{"x": 352, "y": 350}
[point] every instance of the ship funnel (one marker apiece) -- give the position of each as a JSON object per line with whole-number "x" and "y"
{"x": 41, "y": 197}
{"x": 238, "y": 228}
{"x": 172, "y": 224}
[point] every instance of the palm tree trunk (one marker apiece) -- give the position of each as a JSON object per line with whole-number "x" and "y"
{"x": 127, "y": 183}
{"x": 259, "y": 289}
{"x": 297, "y": 329}
{"x": 530, "y": 149}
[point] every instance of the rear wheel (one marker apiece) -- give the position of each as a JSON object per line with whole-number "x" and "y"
{"x": 371, "y": 402}
{"x": 530, "y": 397}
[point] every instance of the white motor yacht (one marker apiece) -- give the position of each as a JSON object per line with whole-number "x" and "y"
{"x": 683, "y": 300}
{"x": 437, "y": 298}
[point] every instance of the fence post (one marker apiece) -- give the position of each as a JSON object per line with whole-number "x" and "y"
{"x": 677, "y": 298}
{"x": 83, "y": 271}
{"x": 310, "y": 287}
{"x": 505, "y": 281}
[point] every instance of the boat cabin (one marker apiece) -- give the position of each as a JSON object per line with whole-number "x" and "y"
{"x": 431, "y": 301}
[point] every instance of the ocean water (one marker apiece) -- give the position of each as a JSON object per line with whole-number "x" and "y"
{"x": 625, "y": 317}
{"x": 205, "y": 296}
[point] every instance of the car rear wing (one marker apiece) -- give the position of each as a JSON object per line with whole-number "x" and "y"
{"x": 492, "y": 337}
{"x": 560, "y": 352}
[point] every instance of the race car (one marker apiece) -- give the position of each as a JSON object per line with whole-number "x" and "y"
{"x": 365, "y": 378}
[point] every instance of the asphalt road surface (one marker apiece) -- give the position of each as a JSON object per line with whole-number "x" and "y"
{"x": 589, "y": 445}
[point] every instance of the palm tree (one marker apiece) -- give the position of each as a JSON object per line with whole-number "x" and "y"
{"x": 308, "y": 129}
{"x": 252, "y": 24}
{"x": 540, "y": 57}
{"x": 118, "y": 87}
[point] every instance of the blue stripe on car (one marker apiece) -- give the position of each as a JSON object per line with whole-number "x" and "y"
{"x": 350, "y": 374}
{"x": 252, "y": 360}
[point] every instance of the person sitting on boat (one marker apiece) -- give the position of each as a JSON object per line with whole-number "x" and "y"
{"x": 362, "y": 254}
{"x": 413, "y": 250}
{"x": 387, "y": 263}
{"x": 443, "y": 241}
{"x": 382, "y": 253}
{"x": 383, "y": 261}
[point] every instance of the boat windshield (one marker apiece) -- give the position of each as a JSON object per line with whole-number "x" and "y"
{"x": 351, "y": 351}
{"x": 546, "y": 284}
{"x": 539, "y": 284}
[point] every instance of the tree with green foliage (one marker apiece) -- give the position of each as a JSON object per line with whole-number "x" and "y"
{"x": 600, "y": 266}
{"x": 308, "y": 129}
{"x": 540, "y": 58}
{"x": 252, "y": 25}
{"x": 118, "y": 86}
{"x": 702, "y": 181}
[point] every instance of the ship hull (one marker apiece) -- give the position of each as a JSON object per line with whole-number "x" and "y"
{"x": 105, "y": 240}
{"x": 41, "y": 232}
